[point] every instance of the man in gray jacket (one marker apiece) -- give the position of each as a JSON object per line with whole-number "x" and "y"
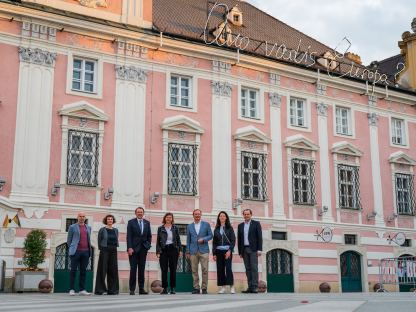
{"x": 79, "y": 243}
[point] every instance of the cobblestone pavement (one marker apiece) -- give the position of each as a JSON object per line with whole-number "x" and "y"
{"x": 380, "y": 302}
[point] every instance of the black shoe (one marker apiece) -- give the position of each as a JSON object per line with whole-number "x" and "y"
{"x": 253, "y": 291}
{"x": 172, "y": 291}
{"x": 98, "y": 293}
{"x": 247, "y": 291}
{"x": 204, "y": 291}
{"x": 164, "y": 291}
{"x": 195, "y": 291}
{"x": 143, "y": 292}
{"x": 132, "y": 292}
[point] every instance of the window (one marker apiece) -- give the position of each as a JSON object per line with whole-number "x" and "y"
{"x": 182, "y": 228}
{"x": 404, "y": 193}
{"x": 70, "y": 221}
{"x": 182, "y": 169}
{"x": 297, "y": 112}
{"x": 348, "y": 187}
{"x": 407, "y": 243}
{"x": 82, "y": 158}
{"x": 249, "y": 103}
{"x": 350, "y": 239}
{"x": 279, "y": 235}
{"x": 253, "y": 176}
{"x": 343, "y": 120}
{"x": 180, "y": 91}
{"x": 84, "y": 75}
{"x": 236, "y": 18}
{"x": 398, "y": 132}
{"x": 303, "y": 176}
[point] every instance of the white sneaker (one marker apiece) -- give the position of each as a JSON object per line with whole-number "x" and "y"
{"x": 72, "y": 292}
{"x": 232, "y": 290}
{"x": 221, "y": 290}
{"x": 84, "y": 293}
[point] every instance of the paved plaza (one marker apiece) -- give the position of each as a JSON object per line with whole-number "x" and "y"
{"x": 403, "y": 302}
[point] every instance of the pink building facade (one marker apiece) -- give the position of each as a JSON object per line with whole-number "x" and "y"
{"x": 101, "y": 113}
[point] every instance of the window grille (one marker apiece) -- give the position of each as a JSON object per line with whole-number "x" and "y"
{"x": 303, "y": 181}
{"x": 70, "y": 221}
{"x": 279, "y": 262}
{"x": 182, "y": 179}
{"x": 349, "y": 187}
{"x": 254, "y": 175}
{"x": 82, "y": 158}
{"x": 180, "y": 91}
{"x": 405, "y": 201}
{"x": 407, "y": 242}
{"x": 279, "y": 235}
{"x": 182, "y": 228}
{"x": 350, "y": 239}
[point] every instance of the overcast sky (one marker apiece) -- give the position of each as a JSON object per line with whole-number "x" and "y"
{"x": 372, "y": 26}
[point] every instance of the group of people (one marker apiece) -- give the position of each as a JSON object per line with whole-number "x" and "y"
{"x": 168, "y": 251}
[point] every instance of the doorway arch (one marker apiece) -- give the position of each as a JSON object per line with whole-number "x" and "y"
{"x": 279, "y": 271}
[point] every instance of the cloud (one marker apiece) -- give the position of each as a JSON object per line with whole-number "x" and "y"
{"x": 373, "y": 26}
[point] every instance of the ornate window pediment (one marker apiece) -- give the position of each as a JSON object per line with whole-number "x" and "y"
{"x": 300, "y": 142}
{"x": 251, "y": 133}
{"x": 401, "y": 158}
{"x": 83, "y": 109}
{"x": 182, "y": 123}
{"x": 346, "y": 148}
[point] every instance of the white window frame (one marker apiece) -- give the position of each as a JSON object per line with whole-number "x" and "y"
{"x": 260, "y": 104}
{"x": 247, "y": 100}
{"x": 179, "y": 89}
{"x": 193, "y": 87}
{"x": 350, "y": 122}
{"x": 409, "y": 190}
{"x": 355, "y": 188}
{"x": 307, "y": 114}
{"x": 98, "y": 75}
{"x": 310, "y": 182}
{"x": 393, "y": 132}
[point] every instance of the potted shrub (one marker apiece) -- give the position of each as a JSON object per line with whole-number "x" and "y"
{"x": 34, "y": 248}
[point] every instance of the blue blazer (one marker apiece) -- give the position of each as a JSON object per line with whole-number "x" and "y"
{"x": 205, "y": 233}
{"x": 74, "y": 236}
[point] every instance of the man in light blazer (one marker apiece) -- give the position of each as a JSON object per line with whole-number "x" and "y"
{"x": 198, "y": 235}
{"x": 79, "y": 244}
{"x": 250, "y": 245}
{"x": 139, "y": 241}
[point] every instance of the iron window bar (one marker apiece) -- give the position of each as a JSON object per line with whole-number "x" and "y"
{"x": 303, "y": 182}
{"x": 349, "y": 187}
{"x": 254, "y": 175}
{"x": 182, "y": 169}
{"x": 405, "y": 200}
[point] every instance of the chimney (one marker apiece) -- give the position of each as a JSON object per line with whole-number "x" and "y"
{"x": 353, "y": 57}
{"x": 407, "y": 47}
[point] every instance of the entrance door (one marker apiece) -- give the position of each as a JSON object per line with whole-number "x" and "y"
{"x": 407, "y": 280}
{"x": 279, "y": 271}
{"x": 62, "y": 269}
{"x": 351, "y": 272}
{"x": 184, "y": 281}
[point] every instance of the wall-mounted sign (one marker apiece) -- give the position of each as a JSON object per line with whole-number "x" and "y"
{"x": 325, "y": 234}
{"x": 399, "y": 238}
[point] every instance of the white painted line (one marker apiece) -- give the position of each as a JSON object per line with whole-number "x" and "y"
{"x": 326, "y": 306}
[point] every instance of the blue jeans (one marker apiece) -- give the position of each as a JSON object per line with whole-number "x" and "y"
{"x": 80, "y": 259}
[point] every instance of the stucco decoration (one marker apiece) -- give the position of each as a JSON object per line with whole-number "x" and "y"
{"x": 372, "y": 119}
{"x": 221, "y": 88}
{"x": 93, "y": 3}
{"x": 275, "y": 99}
{"x": 37, "y": 56}
{"x": 131, "y": 73}
{"x": 322, "y": 109}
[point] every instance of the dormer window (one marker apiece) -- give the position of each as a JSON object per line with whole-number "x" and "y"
{"x": 235, "y": 16}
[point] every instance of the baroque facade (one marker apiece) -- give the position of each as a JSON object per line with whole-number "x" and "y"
{"x": 108, "y": 105}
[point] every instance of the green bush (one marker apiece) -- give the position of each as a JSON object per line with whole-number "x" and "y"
{"x": 34, "y": 249}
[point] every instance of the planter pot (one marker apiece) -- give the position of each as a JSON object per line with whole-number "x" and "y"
{"x": 28, "y": 280}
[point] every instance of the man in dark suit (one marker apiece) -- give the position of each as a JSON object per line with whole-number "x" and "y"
{"x": 250, "y": 245}
{"x": 139, "y": 240}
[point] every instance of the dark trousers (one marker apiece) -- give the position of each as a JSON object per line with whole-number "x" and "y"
{"x": 79, "y": 259}
{"x": 252, "y": 268}
{"x": 137, "y": 266}
{"x": 224, "y": 269}
{"x": 169, "y": 260}
{"x": 107, "y": 267}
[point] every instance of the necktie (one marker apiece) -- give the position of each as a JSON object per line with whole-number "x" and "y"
{"x": 141, "y": 226}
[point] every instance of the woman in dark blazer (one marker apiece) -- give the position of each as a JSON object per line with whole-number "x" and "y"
{"x": 222, "y": 247}
{"x": 168, "y": 249}
{"x": 107, "y": 262}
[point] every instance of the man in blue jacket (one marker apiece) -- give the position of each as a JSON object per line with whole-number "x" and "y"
{"x": 79, "y": 244}
{"x": 198, "y": 235}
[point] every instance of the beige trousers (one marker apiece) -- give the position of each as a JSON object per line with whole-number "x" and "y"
{"x": 195, "y": 260}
